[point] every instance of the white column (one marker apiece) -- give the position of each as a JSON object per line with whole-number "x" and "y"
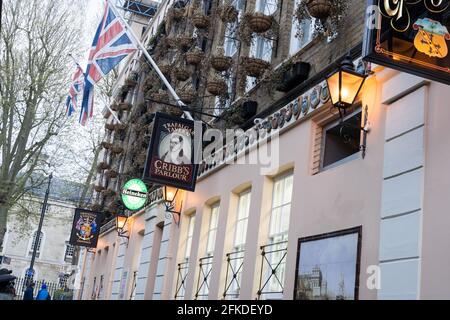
{"x": 402, "y": 189}
{"x": 117, "y": 285}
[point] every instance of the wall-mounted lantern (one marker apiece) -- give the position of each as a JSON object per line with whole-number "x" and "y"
{"x": 344, "y": 84}
{"x": 170, "y": 196}
{"x": 121, "y": 223}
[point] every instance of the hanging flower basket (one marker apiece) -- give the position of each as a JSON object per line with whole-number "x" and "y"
{"x": 165, "y": 69}
{"x": 119, "y": 127}
{"x": 106, "y": 145}
{"x": 103, "y": 166}
{"x": 175, "y": 111}
{"x": 130, "y": 83}
{"x": 140, "y": 159}
{"x": 194, "y": 57}
{"x": 172, "y": 42}
{"x": 107, "y": 114}
{"x": 216, "y": 87}
{"x": 96, "y": 207}
{"x": 228, "y": 13}
{"x": 187, "y": 96}
{"x": 200, "y": 21}
{"x": 160, "y": 96}
{"x": 221, "y": 63}
{"x": 113, "y": 208}
{"x": 125, "y": 106}
{"x": 185, "y": 42}
{"x": 319, "y": 9}
{"x": 176, "y": 13}
{"x": 116, "y": 149}
{"x": 259, "y": 22}
{"x": 181, "y": 74}
{"x": 99, "y": 188}
{"x": 114, "y": 107}
{"x": 254, "y": 67}
{"x": 109, "y": 126}
{"x": 111, "y": 174}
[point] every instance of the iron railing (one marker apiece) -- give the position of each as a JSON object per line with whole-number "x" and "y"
{"x": 203, "y": 277}
{"x": 133, "y": 285}
{"x": 54, "y": 289}
{"x": 235, "y": 261}
{"x": 272, "y": 262}
{"x": 181, "y": 280}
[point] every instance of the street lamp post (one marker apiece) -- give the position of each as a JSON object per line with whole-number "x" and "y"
{"x": 38, "y": 232}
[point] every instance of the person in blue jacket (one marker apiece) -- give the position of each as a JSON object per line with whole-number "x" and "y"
{"x": 43, "y": 293}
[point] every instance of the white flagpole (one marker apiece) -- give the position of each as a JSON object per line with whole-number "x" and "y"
{"x": 153, "y": 63}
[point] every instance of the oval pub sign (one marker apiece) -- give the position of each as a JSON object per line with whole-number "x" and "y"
{"x": 134, "y": 194}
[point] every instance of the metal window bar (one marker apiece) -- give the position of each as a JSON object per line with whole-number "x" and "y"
{"x": 235, "y": 261}
{"x": 203, "y": 277}
{"x": 133, "y": 285}
{"x": 181, "y": 279}
{"x": 271, "y": 267}
{"x": 80, "y": 294}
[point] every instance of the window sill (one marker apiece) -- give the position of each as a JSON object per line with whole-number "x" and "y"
{"x": 355, "y": 156}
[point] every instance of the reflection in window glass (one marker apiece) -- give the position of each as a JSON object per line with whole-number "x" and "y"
{"x": 189, "y": 236}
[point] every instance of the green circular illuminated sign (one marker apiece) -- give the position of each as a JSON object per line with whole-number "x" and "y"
{"x": 134, "y": 194}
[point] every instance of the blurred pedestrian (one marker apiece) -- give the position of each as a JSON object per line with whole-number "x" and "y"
{"x": 43, "y": 293}
{"x": 29, "y": 295}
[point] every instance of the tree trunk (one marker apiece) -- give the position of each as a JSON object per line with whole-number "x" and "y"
{"x": 3, "y": 218}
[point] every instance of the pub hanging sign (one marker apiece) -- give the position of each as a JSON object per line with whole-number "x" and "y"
{"x": 409, "y": 35}
{"x": 172, "y": 157}
{"x": 85, "y": 228}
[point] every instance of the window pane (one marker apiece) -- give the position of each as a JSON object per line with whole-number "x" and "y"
{"x": 212, "y": 230}
{"x": 287, "y": 194}
{"x": 189, "y": 236}
{"x": 277, "y": 193}
{"x": 275, "y": 221}
{"x": 211, "y": 241}
{"x": 267, "y": 7}
{"x": 284, "y": 224}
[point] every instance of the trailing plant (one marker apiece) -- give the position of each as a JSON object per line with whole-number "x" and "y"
{"x": 228, "y": 12}
{"x": 323, "y": 25}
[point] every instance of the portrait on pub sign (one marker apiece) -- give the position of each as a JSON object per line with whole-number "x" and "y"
{"x": 170, "y": 158}
{"x": 328, "y": 266}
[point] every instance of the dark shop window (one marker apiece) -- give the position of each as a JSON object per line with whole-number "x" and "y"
{"x": 341, "y": 140}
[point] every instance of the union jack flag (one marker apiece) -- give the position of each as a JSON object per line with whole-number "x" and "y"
{"x": 111, "y": 44}
{"x": 75, "y": 88}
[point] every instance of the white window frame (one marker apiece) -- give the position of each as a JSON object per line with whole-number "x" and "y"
{"x": 239, "y": 247}
{"x": 281, "y": 235}
{"x": 66, "y": 248}
{"x": 189, "y": 235}
{"x": 211, "y": 240}
{"x": 307, "y": 37}
{"x": 41, "y": 245}
{"x": 248, "y": 193}
{"x": 278, "y": 238}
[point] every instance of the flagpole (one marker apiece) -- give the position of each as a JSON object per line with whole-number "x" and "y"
{"x": 154, "y": 65}
{"x": 107, "y": 106}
